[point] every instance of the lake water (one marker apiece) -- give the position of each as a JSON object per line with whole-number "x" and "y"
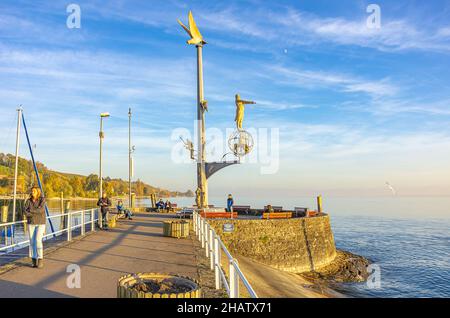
{"x": 407, "y": 237}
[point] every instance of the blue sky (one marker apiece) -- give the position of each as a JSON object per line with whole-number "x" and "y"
{"x": 355, "y": 107}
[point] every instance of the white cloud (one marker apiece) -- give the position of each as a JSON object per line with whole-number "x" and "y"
{"x": 293, "y": 27}
{"x": 345, "y": 83}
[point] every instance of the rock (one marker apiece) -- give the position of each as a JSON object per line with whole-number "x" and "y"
{"x": 346, "y": 267}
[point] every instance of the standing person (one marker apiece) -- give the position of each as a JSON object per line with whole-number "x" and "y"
{"x": 34, "y": 210}
{"x": 104, "y": 202}
{"x": 230, "y": 203}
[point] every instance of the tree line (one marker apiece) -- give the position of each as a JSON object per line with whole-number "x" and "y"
{"x": 72, "y": 185}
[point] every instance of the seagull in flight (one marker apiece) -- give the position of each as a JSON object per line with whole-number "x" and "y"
{"x": 391, "y": 188}
{"x": 194, "y": 33}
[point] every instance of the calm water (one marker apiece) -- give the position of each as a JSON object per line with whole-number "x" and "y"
{"x": 408, "y": 237}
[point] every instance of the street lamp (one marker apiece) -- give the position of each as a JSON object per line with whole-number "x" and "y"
{"x": 101, "y": 136}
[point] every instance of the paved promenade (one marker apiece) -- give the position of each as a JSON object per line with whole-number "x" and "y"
{"x": 133, "y": 246}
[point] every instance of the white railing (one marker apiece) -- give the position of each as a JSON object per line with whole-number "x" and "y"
{"x": 12, "y": 242}
{"x": 214, "y": 247}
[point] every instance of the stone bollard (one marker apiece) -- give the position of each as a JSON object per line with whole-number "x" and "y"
{"x": 4, "y": 212}
{"x": 178, "y": 228}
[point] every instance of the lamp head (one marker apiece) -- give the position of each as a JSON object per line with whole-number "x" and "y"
{"x": 104, "y": 115}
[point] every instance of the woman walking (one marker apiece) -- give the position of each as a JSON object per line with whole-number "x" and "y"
{"x": 34, "y": 209}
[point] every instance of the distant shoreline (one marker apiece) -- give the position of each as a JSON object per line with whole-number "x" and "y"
{"x": 93, "y": 199}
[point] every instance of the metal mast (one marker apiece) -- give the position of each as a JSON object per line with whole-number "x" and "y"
{"x": 16, "y": 168}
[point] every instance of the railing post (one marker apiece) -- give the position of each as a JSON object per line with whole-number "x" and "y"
{"x": 69, "y": 226}
{"x": 83, "y": 230}
{"x": 202, "y": 230}
{"x": 232, "y": 273}
{"x": 205, "y": 234}
{"x": 92, "y": 220}
{"x": 236, "y": 279}
{"x": 199, "y": 226}
{"x": 194, "y": 224}
{"x": 217, "y": 262}
{"x": 211, "y": 247}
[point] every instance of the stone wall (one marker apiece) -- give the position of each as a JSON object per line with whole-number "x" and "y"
{"x": 295, "y": 245}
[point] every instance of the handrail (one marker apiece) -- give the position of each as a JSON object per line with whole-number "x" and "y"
{"x": 213, "y": 247}
{"x": 11, "y": 244}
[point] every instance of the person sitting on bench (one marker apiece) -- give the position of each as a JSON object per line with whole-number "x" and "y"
{"x": 121, "y": 209}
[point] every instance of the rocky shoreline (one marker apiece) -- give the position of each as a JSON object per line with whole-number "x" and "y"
{"x": 346, "y": 268}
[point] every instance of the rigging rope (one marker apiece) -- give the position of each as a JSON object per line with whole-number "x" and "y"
{"x": 37, "y": 172}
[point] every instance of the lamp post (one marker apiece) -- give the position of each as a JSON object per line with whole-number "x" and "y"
{"x": 101, "y": 136}
{"x": 130, "y": 158}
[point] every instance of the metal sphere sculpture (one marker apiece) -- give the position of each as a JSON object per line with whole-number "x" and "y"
{"x": 240, "y": 143}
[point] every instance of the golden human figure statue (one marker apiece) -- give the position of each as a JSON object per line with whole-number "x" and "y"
{"x": 240, "y": 108}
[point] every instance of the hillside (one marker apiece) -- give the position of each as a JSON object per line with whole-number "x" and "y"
{"x": 73, "y": 185}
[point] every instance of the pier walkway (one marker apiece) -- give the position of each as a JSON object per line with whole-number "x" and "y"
{"x": 133, "y": 246}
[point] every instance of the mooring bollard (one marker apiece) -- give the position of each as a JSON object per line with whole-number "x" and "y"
{"x": 69, "y": 226}
{"x": 319, "y": 204}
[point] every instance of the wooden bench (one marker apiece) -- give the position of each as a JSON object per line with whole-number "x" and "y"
{"x": 218, "y": 215}
{"x": 275, "y": 208}
{"x": 300, "y": 212}
{"x": 241, "y": 208}
{"x": 312, "y": 213}
{"x": 277, "y": 215}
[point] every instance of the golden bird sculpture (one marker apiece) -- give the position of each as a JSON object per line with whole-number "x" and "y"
{"x": 194, "y": 33}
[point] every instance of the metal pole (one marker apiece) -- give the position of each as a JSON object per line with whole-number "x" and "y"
{"x": 100, "y": 169}
{"x": 129, "y": 157}
{"x": 201, "y": 174}
{"x": 19, "y": 113}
